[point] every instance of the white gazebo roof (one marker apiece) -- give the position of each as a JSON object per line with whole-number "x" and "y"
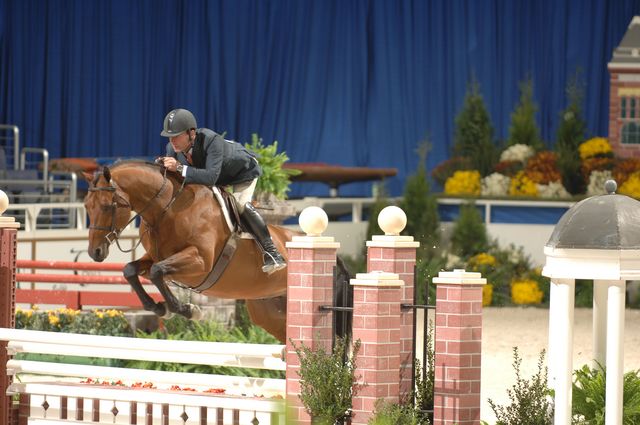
{"x": 598, "y": 238}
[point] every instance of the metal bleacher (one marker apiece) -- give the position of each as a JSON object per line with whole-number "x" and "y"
{"x": 27, "y": 181}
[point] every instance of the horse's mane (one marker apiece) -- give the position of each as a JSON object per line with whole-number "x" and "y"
{"x": 174, "y": 177}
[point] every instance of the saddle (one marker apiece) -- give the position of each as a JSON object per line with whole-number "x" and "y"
{"x": 229, "y": 207}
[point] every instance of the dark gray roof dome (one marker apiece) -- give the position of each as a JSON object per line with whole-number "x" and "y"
{"x": 601, "y": 222}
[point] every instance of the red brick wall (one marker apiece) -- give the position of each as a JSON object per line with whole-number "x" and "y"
{"x": 7, "y": 311}
{"x": 401, "y": 261}
{"x": 310, "y": 274}
{"x": 458, "y": 343}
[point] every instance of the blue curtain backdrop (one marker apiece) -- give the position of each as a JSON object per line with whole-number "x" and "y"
{"x": 353, "y": 83}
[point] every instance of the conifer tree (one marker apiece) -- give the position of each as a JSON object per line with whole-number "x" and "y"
{"x": 571, "y": 133}
{"x": 421, "y": 208}
{"x": 469, "y": 236}
{"x": 473, "y": 137}
{"x": 524, "y": 129}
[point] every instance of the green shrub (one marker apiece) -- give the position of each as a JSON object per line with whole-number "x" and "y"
{"x": 387, "y": 413}
{"x": 94, "y": 322}
{"x": 425, "y": 386}
{"x": 473, "y": 137}
{"x": 523, "y": 129}
{"x": 530, "y": 400}
{"x": 588, "y": 405}
{"x": 421, "y": 208}
{"x": 327, "y": 381}
{"x": 571, "y": 133}
{"x": 469, "y": 236}
{"x": 182, "y": 329}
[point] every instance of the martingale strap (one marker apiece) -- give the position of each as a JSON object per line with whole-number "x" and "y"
{"x": 221, "y": 264}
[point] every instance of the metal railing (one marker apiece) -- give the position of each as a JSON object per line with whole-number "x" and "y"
{"x": 16, "y": 142}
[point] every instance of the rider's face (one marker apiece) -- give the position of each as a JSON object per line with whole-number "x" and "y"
{"x": 181, "y": 142}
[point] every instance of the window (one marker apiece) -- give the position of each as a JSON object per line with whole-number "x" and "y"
{"x": 623, "y": 107}
{"x": 630, "y": 133}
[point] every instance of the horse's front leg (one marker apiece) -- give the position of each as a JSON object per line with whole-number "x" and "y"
{"x": 131, "y": 272}
{"x": 185, "y": 262}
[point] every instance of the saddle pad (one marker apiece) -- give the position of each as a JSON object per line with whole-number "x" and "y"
{"x": 227, "y": 215}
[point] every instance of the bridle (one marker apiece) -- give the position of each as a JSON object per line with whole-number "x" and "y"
{"x": 113, "y": 233}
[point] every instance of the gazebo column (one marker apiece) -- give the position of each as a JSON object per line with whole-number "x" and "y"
{"x": 561, "y": 346}
{"x": 615, "y": 351}
{"x": 600, "y": 289}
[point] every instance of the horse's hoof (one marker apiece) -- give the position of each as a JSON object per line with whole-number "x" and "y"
{"x": 196, "y": 312}
{"x": 164, "y": 312}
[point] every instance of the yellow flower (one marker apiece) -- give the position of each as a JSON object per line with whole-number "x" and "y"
{"x": 521, "y": 185}
{"x": 463, "y": 183}
{"x": 631, "y": 187}
{"x": 113, "y": 313}
{"x": 594, "y": 147}
{"x": 53, "y": 319}
{"x": 487, "y": 294}
{"x": 483, "y": 259}
{"x": 526, "y": 292}
{"x": 100, "y": 314}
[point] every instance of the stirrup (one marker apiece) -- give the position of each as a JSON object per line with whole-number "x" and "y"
{"x": 273, "y": 263}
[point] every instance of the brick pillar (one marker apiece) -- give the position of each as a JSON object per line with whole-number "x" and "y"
{"x": 376, "y": 323}
{"x": 8, "y": 247}
{"x": 397, "y": 254}
{"x": 310, "y": 285}
{"x": 458, "y": 337}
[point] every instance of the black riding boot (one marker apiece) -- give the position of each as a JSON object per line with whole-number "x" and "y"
{"x": 253, "y": 222}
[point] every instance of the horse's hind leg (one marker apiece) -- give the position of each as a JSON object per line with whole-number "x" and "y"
{"x": 131, "y": 272}
{"x": 271, "y": 315}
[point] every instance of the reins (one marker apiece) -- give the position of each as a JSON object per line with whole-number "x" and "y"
{"x": 114, "y": 234}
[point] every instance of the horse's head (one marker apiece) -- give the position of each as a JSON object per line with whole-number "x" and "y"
{"x": 108, "y": 209}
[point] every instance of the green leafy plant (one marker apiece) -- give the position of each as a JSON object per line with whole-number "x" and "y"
{"x": 327, "y": 381}
{"x": 523, "y": 129}
{"x": 274, "y": 179}
{"x": 530, "y": 399}
{"x": 387, "y": 413}
{"x": 588, "y": 405}
{"x": 425, "y": 386}
{"x": 469, "y": 236}
{"x": 473, "y": 137}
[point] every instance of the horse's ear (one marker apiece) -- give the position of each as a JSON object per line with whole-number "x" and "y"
{"x": 106, "y": 173}
{"x": 88, "y": 176}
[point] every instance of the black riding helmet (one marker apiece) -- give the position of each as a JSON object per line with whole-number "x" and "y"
{"x": 178, "y": 121}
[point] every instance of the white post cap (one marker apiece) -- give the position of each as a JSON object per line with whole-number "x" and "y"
{"x": 392, "y": 220}
{"x": 4, "y": 202}
{"x": 313, "y": 221}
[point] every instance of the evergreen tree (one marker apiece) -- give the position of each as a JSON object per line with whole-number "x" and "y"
{"x": 421, "y": 207}
{"x": 473, "y": 137}
{"x": 571, "y": 133}
{"x": 469, "y": 236}
{"x": 524, "y": 129}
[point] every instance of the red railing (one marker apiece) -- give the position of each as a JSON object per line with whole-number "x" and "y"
{"x": 76, "y": 299}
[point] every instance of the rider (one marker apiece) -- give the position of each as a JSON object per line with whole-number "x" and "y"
{"x": 205, "y": 157}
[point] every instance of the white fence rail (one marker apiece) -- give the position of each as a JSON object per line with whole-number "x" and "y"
{"x": 59, "y": 392}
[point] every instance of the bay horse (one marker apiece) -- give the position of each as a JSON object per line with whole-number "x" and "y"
{"x": 183, "y": 231}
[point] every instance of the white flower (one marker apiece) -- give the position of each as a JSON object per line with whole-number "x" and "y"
{"x": 495, "y": 184}
{"x": 552, "y": 190}
{"x": 596, "y": 182}
{"x": 518, "y": 152}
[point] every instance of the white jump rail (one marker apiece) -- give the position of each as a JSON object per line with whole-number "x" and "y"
{"x": 46, "y": 388}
